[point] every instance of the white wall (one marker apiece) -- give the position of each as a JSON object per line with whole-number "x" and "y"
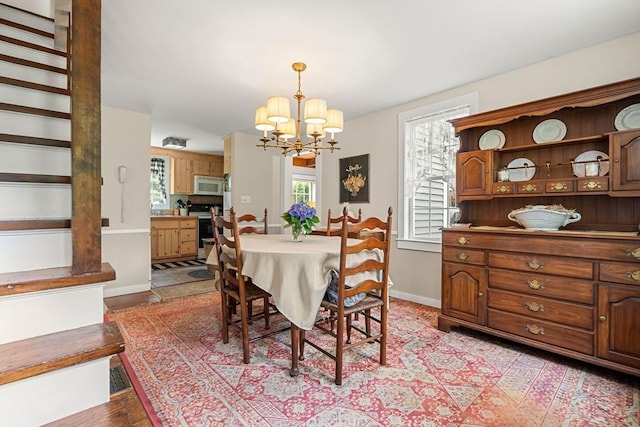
{"x": 126, "y": 137}
{"x": 416, "y": 275}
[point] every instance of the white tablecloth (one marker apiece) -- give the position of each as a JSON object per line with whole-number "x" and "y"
{"x": 295, "y": 274}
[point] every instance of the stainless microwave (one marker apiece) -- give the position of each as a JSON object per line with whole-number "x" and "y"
{"x": 208, "y": 185}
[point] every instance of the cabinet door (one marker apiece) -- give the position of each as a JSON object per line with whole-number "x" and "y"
{"x": 168, "y": 243}
{"x": 625, "y": 168}
{"x": 182, "y": 178}
{"x": 474, "y": 176}
{"x": 618, "y": 328}
{"x": 464, "y": 290}
{"x": 201, "y": 167}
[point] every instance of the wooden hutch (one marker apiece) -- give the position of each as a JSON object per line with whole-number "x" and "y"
{"x": 575, "y": 291}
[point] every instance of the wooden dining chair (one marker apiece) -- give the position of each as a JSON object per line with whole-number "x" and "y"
{"x": 364, "y": 293}
{"x": 254, "y": 228}
{"x": 334, "y": 231}
{"x": 236, "y": 290}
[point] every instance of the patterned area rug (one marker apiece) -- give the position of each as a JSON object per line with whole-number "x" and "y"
{"x": 184, "y": 289}
{"x": 432, "y": 378}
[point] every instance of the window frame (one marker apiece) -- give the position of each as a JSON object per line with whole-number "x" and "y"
{"x": 403, "y": 240}
{"x": 167, "y": 185}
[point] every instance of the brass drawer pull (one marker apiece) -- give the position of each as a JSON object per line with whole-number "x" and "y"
{"x": 462, "y": 256}
{"x": 558, "y": 186}
{"x": 633, "y": 275}
{"x": 463, "y": 240}
{"x": 529, "y": 188}
{"x": 633, "y": 253}
{"x": 534, "y": 264}
{"x": 535, "y": 329}
{"x": 534, "y": 306}
{"x": 503, "y": 189}
{"x": 535, "y": 284}
{"x": 591, "y": 185}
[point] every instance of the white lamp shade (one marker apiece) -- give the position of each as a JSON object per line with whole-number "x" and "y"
{"x": 315, "y": 111}
{"x": 335, "y": 121}
{"x": 288, "y": 129}
{"x": 278, "y": 109}
{"x": 261, "y": 119}
{"x": 315, "y": 129}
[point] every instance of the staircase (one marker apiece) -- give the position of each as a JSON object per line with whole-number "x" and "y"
{"x": 55, "y": 348}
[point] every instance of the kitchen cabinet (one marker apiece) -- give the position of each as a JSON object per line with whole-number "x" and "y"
{"x": 185, "y": 165}
{"x": 181, "y": 176}
{"x": 575, "y": 291}
{"x": 173, "y": 239}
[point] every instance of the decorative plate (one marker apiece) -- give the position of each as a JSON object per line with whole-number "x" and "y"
{"x": 590, "y": 156}
{"x": 492, "y": 140}
{"x": 521, "y": 169}
{"x": 628, "y": 118}
{"x": 549, "y": 130}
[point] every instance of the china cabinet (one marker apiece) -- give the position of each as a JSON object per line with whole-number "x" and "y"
{"x": 574, "y": 291}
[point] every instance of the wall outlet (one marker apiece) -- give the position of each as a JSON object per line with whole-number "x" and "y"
{"x": 245, "y": 199}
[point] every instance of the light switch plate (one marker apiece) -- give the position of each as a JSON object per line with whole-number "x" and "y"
{"x": 245, "y": 199}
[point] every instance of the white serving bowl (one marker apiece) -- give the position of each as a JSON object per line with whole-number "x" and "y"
{"x": 540, "y": 217}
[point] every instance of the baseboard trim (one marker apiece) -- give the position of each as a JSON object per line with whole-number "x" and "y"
{"x": 415, "y": 298}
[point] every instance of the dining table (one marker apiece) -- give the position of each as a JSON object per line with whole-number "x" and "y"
{"x": 296, "y": 274}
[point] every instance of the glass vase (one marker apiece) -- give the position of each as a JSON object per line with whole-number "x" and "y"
{"x": 297, "y": 231}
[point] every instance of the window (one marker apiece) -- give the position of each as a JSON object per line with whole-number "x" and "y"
{"x": 160, "y": 167}
{"x": 427, "y": 148}
{"x": 303, "y": 189}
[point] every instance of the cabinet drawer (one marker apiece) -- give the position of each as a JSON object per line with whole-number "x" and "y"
{"x": 593, "y": 184}
{"x": 575, "y": 290}
{"x": 530, "y": 187}
{"x": 559, "y": 186}
{"x": 468, "y": 256}
{"x": 618, "y": 272}
{"x": 548, "y": 309}
{"x": 188, "y": 223}
{"x": 543, "y": 331}
{"x": 187, "y": 248}
{"x": 187, "y": 234}
{"x": 542, "y": 264}
{"x": 164, "y": 224}
{"x": 503, "y": 188}
{"x": 463, "y": 239}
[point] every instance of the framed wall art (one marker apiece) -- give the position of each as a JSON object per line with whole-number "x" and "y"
{"x": 354, "y": 179}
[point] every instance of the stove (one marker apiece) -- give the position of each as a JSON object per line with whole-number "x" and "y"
{"x": 205, "y": 229}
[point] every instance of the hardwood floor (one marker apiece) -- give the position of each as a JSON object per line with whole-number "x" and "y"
{"x": 130, "y": 300}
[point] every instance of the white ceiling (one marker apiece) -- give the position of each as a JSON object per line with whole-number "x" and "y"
{"x": 200, "y": 68}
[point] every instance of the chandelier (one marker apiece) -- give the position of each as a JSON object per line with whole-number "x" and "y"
{"x": 275, "y": 117}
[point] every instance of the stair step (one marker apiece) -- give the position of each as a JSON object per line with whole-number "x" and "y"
{"x": 32, "y": 85}
{"x": 50, "y": 278}
{"x": 38, "y": 355}
{"x": 32, "y": 46}
{"x": 32, "y": 64}
{"x": 27, "y": 28}
{"x": 35, "y": 111}
{"x": 39, "y": 224}
{"x": 33, "y": 140}
{"x": 124, "y": 409}
{"x": 37, "y": 178}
